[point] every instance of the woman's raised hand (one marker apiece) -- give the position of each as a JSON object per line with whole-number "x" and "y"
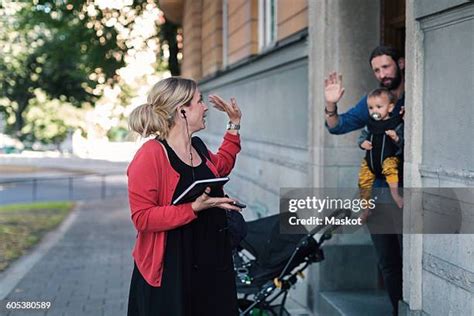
{"x": 231, "y": 108}
{"x": 205, "y": 201}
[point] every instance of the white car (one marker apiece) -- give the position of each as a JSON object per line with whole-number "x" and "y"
{"x": 10, "y": 145}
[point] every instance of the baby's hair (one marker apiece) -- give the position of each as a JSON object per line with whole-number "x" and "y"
{"x": 382, "y": 91}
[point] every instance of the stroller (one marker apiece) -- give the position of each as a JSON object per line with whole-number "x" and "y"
{"x": 267, "y": 263}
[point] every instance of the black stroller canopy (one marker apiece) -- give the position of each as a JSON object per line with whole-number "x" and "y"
{"x": 267, "y": 244}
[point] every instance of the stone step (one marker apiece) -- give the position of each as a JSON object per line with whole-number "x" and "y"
{"x": 354, "y": 303}
{"x": 348, "y": 268}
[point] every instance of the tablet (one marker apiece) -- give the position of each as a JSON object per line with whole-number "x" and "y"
{"x": 197, "y": 188}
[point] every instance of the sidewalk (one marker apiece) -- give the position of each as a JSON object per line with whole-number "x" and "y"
{"x": 87, "y": 272}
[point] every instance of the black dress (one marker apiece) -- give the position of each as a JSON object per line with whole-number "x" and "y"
{"x": 198, "y": 276}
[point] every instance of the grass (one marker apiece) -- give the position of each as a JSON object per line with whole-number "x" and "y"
{"x": 23, "y": 225}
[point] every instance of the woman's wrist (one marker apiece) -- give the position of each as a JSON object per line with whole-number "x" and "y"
{"x": 233, "y": 131}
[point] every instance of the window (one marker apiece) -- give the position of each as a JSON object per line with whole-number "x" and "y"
{"x": 266, "y": 23}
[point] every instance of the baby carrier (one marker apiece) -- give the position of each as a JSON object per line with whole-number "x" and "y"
{"x": 382, "y": 146}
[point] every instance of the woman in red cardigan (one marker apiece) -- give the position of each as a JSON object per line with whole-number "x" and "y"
{"x": 182, "y": 254}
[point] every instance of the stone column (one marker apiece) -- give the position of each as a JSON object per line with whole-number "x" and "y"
{"x": 413, "y": 243}
{"x": 341, "y": 36}
{"x": 340, "y": 40}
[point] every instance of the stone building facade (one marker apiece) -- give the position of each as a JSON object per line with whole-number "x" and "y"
{"x": 273, "y": 55}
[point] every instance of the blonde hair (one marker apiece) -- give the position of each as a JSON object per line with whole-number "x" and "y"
{"x": 156, "y": 117}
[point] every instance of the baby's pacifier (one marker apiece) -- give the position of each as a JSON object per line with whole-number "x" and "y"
{"x": 376, "y": 116}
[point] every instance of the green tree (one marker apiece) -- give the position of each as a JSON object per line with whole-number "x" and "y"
{"x": 68, "y": 49}
{"x": 59, "y": 48}
{"x": 50, "y": 120}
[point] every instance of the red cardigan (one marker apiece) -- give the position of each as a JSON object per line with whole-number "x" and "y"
{"x": 151, "y": 184}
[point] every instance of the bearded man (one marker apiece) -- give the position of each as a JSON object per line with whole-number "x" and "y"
{"x": 388, "y": 67}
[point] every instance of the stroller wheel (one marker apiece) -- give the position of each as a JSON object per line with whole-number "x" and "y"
{"x": 260, "y": 310}
{"x": 256, "y": 311}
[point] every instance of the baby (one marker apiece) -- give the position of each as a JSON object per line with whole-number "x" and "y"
{"x": 382, "y": 139}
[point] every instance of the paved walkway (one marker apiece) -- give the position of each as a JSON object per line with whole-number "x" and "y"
{"x": 87, "y": 272}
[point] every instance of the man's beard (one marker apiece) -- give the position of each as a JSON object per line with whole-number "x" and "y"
{"x": 394, "y": 82}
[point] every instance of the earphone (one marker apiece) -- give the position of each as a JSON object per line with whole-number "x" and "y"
{"x": 184, "y": 114}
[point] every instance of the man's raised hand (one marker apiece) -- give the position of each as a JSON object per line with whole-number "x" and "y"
{"x": 333, "y": 89}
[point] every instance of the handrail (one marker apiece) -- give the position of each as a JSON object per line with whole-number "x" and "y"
{"x": 79, "y": 175}
{"x": 70, "y": 178}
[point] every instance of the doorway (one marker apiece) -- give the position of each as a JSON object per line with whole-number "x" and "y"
{"x": 392, "y": 23}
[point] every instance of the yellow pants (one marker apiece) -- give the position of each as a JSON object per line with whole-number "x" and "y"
{"x": 367, "y": 178}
